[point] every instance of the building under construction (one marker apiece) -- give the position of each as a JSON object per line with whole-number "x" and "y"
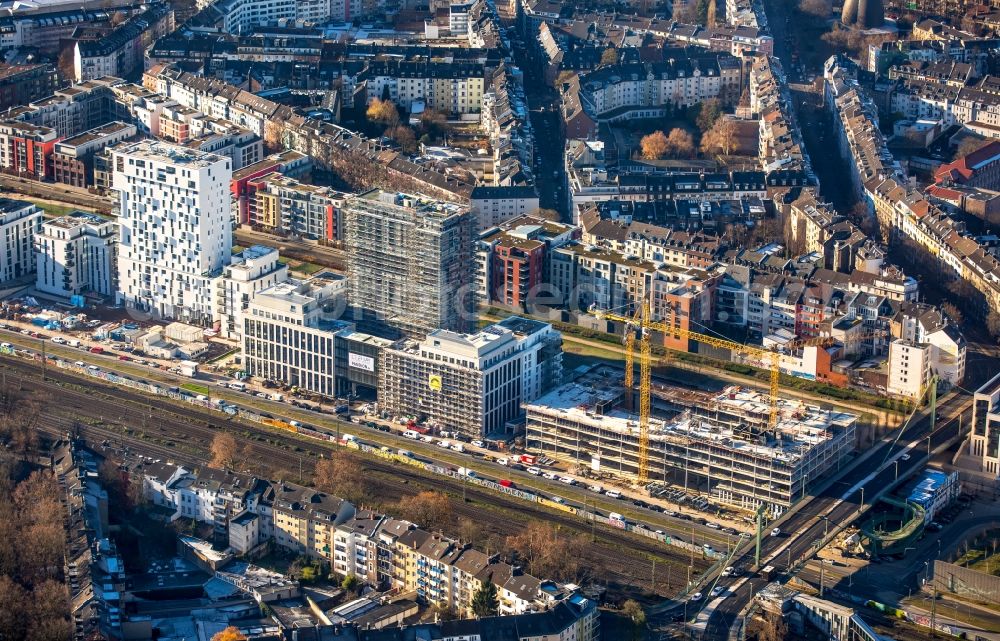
{"x": 409, "y": 261}
{"x": 715, "y": 444}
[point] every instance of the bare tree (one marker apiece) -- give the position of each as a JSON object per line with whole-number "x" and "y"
{"x": 341, "y": 475}
{"x": 547, "y": 551}
{"x": 817, "y": 8}
{"x": 224, "y": 450}
{"x": 49, "y": 608}
{"x": 470, "y": 531}
{"x": 680, "y": 143}
{"x": 383, "y": 112}
{"x": 720, "y": 139}
{"x": 429, "y": 509}
{"x": 654, "y": 146}
{"x": 13, "y": 603}
{"x": 952, "y": 312}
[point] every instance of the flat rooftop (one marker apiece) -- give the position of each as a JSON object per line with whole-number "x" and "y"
{"x": 415, "y": 202}
{"x": 167, "y": 153}
{"x": 74, "y": 220}
{"x": 594, "y": 399}
{"x": 96, "y": 133}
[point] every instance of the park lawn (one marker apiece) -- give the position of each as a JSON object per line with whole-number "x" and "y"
{"x": 194, "y": 388}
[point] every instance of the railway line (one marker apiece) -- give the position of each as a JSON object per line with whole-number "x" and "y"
{"x": 625, "y": 561}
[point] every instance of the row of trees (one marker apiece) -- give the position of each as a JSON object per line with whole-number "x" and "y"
{"x": 679, "y": 143}
{"x": 34, "y": 601}
{"x": 384, "y": 113}
{"x": 717, "y": 135}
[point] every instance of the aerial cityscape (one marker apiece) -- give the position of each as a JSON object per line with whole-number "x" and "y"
{"x": 499, "y": 320}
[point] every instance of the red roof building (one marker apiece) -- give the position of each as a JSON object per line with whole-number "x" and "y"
{"x": 981, "y": 168}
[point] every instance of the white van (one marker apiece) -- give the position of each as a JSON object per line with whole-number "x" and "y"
{"x": 458, "y": 447}
{"x": 239, "y": 387}
{"x": 534, "y": 470}
{"x": 613, "y": 494}
{"x": 73, "y": 342}
{"x": 411, "y": 434}
{"x": 58, "y": 340}
{"x": 502, "y": 461}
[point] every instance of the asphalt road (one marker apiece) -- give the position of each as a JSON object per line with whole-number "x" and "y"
{"x": 839, "y": 503}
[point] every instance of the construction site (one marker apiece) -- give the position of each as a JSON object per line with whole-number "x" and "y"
{"x": 740, "y": 447}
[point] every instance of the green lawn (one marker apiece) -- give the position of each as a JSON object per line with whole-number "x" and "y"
{"x": 307, "y": 268}
{"x": 194, "y": 388}
{"x": 53, "y": 210}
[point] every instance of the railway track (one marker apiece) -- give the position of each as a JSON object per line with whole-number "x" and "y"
{"x": 624, "y": 561}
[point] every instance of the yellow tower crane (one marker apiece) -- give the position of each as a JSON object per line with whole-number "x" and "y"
{"x": 640, "y": 321}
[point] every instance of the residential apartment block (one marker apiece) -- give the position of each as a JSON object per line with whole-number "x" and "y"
{"x": 452, "y": 88}
{"x": 284, "y": 205}
{"x": 75, "y": 255}
{"x": 26, "y": 149}
{"x": 73, "y": 158}
{"x": 20, "y": 221}
{"x": 175, "y": 228}
{"x": 21, "y": 84}
{"x": 492, "y": 206}
{"x": 513, "y": 260}
{"x": 471, "y": 383}
{"x": 780, "y": 141}
{"x": 120, "y": 52}
{"x": 409, "y": 261}
{"x": 902, "y": 211}
{"x": 382, "y": 551}
{"x": 250, "y": 271}
{"x": 628, "y": 91}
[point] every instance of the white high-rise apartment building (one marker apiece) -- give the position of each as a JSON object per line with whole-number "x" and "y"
{"x": 175, "y": 231}
{"x": 19, "y": 222}
{"x": 75, "y": 254}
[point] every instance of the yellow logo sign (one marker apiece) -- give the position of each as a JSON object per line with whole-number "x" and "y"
{"x": 434, "y": 382}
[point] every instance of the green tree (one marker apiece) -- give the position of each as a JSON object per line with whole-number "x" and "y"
{"x": 637, "y": 615}
{"x": 351, "y": 584}
{"x": 485, "y": 602}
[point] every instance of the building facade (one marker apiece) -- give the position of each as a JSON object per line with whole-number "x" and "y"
{"x": 250, "y": 271}
{"x": 175, "y": 228}
{"x": 984, "y": 442}
{"x": 20, "y": 222}
{"x": 409, "y": 261}
{"x": 75, "y": 255}
{"x": 471, "y": 383}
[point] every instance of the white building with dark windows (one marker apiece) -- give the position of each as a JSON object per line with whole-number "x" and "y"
{"x": 19, "y": 222}
{"x": 75, "y": 255}
{"x": 250, "y": 271}
{"x": 473, "y": 383}
{"x": 175, "y": 228}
